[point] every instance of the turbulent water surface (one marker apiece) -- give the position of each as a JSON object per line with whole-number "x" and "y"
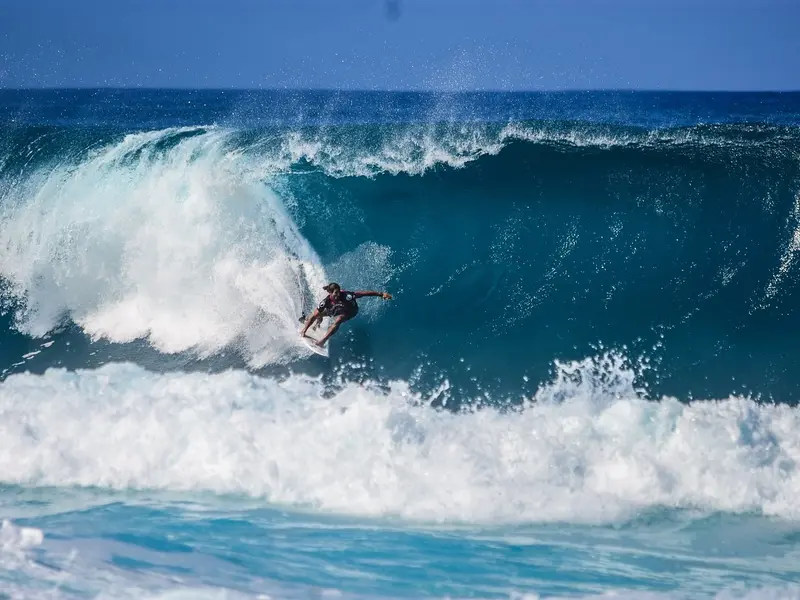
{"x": 586, "y": 381}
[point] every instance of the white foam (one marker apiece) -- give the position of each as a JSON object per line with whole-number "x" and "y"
{"x": 589, "y": 449}
{"x": 418, "y": 148}
{"x": 789, "y": 592}
{"x": 413, "y": 149}
{"x": 115, "y": 587}
{"x": 14, "y": 538}
{"x": 166, "y": 235}
{"x": 788, "y": 259}
{"x": 574, "y": 137}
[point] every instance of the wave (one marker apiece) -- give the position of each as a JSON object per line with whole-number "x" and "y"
{"x": 165, "y": 235}
{"x": 203, "y": 240}
{"x": 585, "y": 448}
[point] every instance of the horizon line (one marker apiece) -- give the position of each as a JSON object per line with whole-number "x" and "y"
{"x": 400, "y": 90}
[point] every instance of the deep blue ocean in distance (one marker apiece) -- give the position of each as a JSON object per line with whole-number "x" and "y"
{"x": 586, "y": 383}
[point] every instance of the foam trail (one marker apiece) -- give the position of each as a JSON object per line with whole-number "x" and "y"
{"x": 589, "y": 449}
{"x": 166, "y": 235}
{"x": 283, "y": 592}
{"x": 789, "y": 255}
{"x": 16, "y": 544}
{"x": 15, "y": 539}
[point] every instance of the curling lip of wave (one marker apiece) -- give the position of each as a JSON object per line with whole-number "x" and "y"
{"x": 194, "y": 252}
{"x": 417, "y": 149}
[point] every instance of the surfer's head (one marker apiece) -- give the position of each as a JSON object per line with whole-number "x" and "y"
{"x": 333, "y": 289}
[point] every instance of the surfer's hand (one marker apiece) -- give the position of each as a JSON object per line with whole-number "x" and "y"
{"x": 386, "y": 296}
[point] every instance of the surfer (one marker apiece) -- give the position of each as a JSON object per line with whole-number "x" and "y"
{"x": 340, "y": 305}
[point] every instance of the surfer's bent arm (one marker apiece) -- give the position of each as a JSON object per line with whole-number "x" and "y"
{"x": 384, "y": 295}
{"x": 310, "y": 320}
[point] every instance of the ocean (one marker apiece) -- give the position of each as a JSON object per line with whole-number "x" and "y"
{"x": 585, "y": 385}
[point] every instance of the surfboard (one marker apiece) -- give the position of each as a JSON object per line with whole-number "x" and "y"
{"x": 316, "y": 335}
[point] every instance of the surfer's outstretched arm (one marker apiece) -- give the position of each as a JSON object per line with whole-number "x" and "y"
{"x": 384, "y": 295}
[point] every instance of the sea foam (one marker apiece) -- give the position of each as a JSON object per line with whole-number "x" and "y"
{"x": 586, "y": 448}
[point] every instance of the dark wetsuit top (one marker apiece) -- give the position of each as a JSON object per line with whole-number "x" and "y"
{"x": 345, "y": 305}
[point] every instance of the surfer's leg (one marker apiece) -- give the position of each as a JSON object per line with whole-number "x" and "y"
{"x": 334, "y": 327}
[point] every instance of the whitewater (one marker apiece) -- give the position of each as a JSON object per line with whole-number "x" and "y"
{"x": 585, "y": 385}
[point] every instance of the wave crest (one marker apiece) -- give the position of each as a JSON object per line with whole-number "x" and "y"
{"x": 417, "y": 149}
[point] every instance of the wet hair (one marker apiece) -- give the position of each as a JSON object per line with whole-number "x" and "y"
{"x": 331, "y": 287}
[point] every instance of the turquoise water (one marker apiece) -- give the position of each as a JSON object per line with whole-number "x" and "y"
{"x": 140, "y": 545}
{"x": 585, "y": 384}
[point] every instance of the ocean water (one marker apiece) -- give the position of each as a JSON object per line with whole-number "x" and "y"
{"x": 586, "y": 384}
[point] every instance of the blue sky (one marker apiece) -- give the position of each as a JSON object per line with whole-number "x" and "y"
{"x": 402, "y": 44}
